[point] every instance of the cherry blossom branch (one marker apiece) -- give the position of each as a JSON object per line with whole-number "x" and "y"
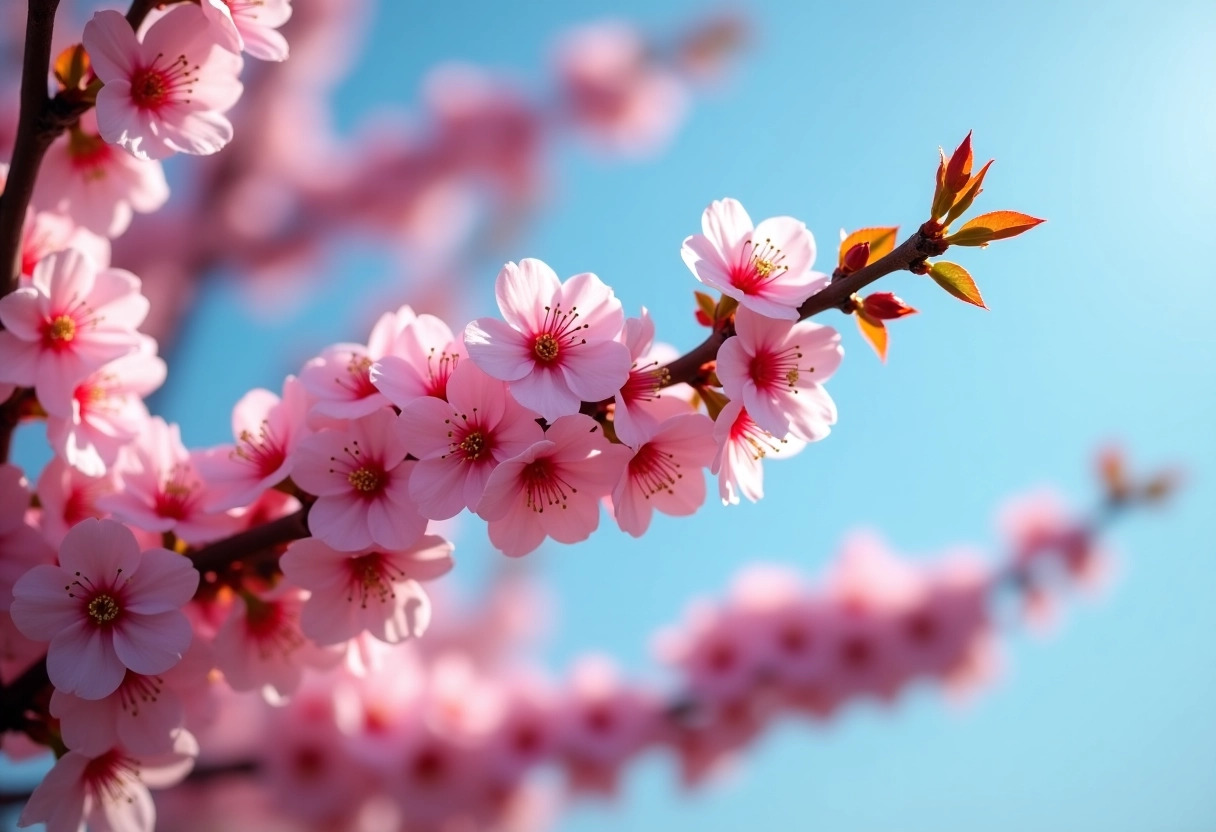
{"x": 34, "y": 135}
{"x": 910, "y": 254}
{"x": 218, "y": 556}
{"x": 19, "y": 696}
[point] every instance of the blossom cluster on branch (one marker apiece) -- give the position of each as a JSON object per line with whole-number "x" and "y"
{"x": 144, "y": 584}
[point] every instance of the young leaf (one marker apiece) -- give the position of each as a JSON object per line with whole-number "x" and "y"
{"x": 881, "y": 240}
{"x": 958, "y": 170}
{"x": 874, "y": 331}
{"x": 996, "y": 225}
{"x": 974, "y": 188}
{"x": 954, "y": 279}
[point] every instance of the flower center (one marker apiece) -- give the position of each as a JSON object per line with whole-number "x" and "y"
{"x": 759, "y": 263}
{"x": 545, "y": 347}
{"x": 771, "y": 370}
{"x": 153, "y": 87}
{"x": 103, "y": 609}
{"x": 473, "y": 445}
{"x": 60, "y": 330}
{"x": 544, "y": 486}
{"x": 365, "y": 479}
{"x": 372, "y": 576}
{"x": 654, "y": 470}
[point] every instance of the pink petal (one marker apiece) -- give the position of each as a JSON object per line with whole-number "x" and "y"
{"x": 726, "y": 224}
{"x": 546, "y": 392}
{"x": 164, "y": 581}
{"x": 58, "y": 800}
{"x": 81, "y": 660}
{"x": 523, "y": 291}
{"x": 100, "y": 550}
{"x": 595, "y": 371}
{"x": 111, "y": 44}
{"x": 498, "y": 350}
{"x": 341, "y": 521}
{"x": 151, "y": 644}
{"x": 42, "y": 607}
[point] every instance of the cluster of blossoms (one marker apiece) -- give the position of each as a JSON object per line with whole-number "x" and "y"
{"x": 458, "y": 730}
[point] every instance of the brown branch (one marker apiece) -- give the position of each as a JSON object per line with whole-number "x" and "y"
{"x": 216, "y": 557}
{"x": 31, "y": 141}
{"x": 17, "y": 698}
{"x": 911, "y": 251}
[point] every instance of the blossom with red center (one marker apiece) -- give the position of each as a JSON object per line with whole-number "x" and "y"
{"x": 167, "y": 93}
{"x": 252, "y": 25}
{"x": 372, "y": 590}
{"x": 46, "y": 232}
{"x": 95, "y": 184}
{"x": 665, "y": 472}
{"x": 69, "y": 321}
{"x": 641, "y": 404}
{"x": 777, "y": 368}
{"x": 160, "y": 490}
{"x": 767, "y": 268}
{"x": 106, "y": 608}
{"x": 360, "y": 477}
{"x": 108, "y": 790}
{"x": 553, "y": 488}
{"x": 419, "y": 363}
{"x": 339, "y": 379}
{"x": 460, "y": 442}
{"x": 742, "y": 445}
{"x": 141, "y": 716}
{"x": 259, "y": 646}
{"x": 557, "y": 348}
{"x": 106, "y": 411}
{"x": 267, "y": 430}
{"x": 68, "y": 497}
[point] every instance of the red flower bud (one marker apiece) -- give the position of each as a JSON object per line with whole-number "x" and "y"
{"x": 958, "y": 170}
{"x": 885, "y": 306}
{"x": 703, "y": 319}
{"x": 855, "y": 258}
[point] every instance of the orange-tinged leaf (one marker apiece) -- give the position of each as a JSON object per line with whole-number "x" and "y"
{"x": 881, "y": 240}
{"x": 974, "y": 188}
{"x": 940, "y": 189}
{"x": 714, "y": 400}
{"x": 996, "y": 225}
{"x": 875, "y": 332}
{"x": 706, "y": 306}
{"x": 954, "y": 279}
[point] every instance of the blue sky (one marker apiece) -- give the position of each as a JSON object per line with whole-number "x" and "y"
{"x": 1102, "y": 323}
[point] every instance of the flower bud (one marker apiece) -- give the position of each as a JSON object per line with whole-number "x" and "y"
{"x": 885, "y": 306}
{"x": 855, "y": 258}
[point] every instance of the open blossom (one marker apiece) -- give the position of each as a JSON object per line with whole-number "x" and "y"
{"x": 553, "y": 488}
{"x": 266, "y": 429}
{"x": 421, "y": 359}
{"x": 108, "y": 790}
{"x": 777, "y": 369}
{"x": 557, "y": 348}
{"x": 372, "y": 590}
{"x": 69, "y": 321}
{"x": 665, "y": 473}
{"x": 106, "y": 608}
{"x": 767, "y": 268}
{"x": 160, "y": 489}
{"x": 97, "y": 185}
{"x": 168, "y": 93}
{"x": 252, "y": 25}
{"x": 361, "y": 479}
{"x": 67, "y": 496}
{"x": 106, "y": 411}
{"x": 46, "y": 232}
{"x": 639, "y": 404}
{"x": 459, "y": 442}
{"x": 140, "y": 715}
{"x": 742, "y": 445}
{"x": 339, "y": 379}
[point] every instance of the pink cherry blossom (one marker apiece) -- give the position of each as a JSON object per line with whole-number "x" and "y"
{"x": 252, "y": 25}
{"x": 141, "y": 715}
{"x": 637, "y": 409}
{"x": 98, "y": 186}
{"x": 777, "y": 369}
{"x": 617, "y": 93}
{"x": 557, "y": 347}
{"x": 553, "y": 488}
{"x": 460, "y": 442}
{"x": 267, "y": 430}
{"x": 767, "y": 268}
{"x": 108, "y": 790}
{"x": 372, "y": 590}
{"x": 167, "y": 93}
{"x": 46, "y": 232}
{"x": 742, "y": 445}
{"x": 70, "y": 320}
{"x": 260, "y": 645}
{"x": 665, "y": 472}
{"x": 106, "y": 411}
{"x": 339, "y": 379}
{"x": 68, "y": 497}
{"x": 420, "y": 361}
{"x": 361, "y": 479}
{"x": 106, "y": 609}
{"x": 160, "y": 489}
